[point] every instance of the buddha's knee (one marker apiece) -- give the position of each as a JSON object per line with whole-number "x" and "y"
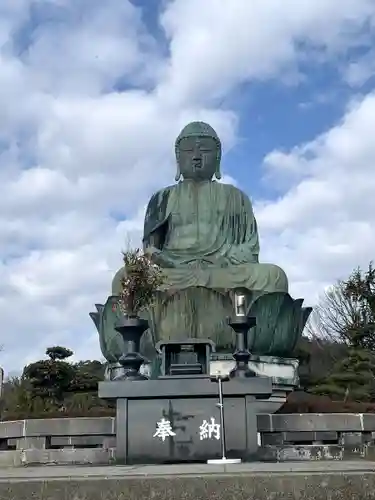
{"x": 278, "y": 275}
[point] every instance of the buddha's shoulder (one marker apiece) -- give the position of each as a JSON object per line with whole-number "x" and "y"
{"x": 161, "y": 193}
{"x": 229, "y": 189}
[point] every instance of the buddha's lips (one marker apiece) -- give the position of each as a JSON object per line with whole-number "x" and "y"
{"x": 197, "y": 163}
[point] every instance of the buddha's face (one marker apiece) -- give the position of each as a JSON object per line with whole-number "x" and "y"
{"x": 198, "y": 157}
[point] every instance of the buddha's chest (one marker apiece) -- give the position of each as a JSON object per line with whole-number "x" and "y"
{"x": 199, "y": 205}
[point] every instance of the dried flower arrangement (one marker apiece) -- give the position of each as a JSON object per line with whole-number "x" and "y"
{"x": 141, "y": 280}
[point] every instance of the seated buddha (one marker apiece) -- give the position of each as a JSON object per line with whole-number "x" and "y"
{"x": 204, "y": 235}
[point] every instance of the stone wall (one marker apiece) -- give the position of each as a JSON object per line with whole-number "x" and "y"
{"x": 282, "y": 438}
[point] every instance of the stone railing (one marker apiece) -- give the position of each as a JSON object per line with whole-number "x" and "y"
{"x": 57, "y": 441}
{"x": 317, "y": 436}
{"x": 282, "y": 438}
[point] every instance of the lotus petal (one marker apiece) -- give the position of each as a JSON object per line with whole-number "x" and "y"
{"x": 280, "y": 322}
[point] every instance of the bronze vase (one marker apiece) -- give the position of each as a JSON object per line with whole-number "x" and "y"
{"x": 131, "y": 328}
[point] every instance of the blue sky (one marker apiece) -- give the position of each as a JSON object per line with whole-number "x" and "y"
{"x": 273, "y": 116}
{"x": 277, "y": 116}
{"x": 93, "y": 95}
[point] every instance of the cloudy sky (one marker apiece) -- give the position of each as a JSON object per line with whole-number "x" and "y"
{"x": 92, "y": 96}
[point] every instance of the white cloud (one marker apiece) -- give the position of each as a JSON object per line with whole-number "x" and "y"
{"x": 90, "y": 106}
{"x": 324, "y": 226}
{"x": 360, "y": 71}
{"x": 230, "y": 42}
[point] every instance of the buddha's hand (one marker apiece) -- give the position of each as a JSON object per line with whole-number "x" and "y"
{"x": 158, "y": 257}
{"x": 198, "y": 263}
{"x": 151, "y": 251}
{"x": 241, "y": 255}
{"x": 222, "y": 263}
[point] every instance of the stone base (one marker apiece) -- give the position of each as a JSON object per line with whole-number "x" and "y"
{"x": 283, "y": 373}
{"x": 174, "y": 420}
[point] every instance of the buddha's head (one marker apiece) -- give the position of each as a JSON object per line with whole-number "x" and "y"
{"x": 198, "y": 152}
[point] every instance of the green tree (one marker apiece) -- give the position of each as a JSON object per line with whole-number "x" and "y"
{"x": 50, "y": 379}
{"x": 360, "y": 290}
{"x": 346, "y": 314}
{"x": 16, "y": 397}
{"x": 54, "y": 387}
{"x": 351, "y": 379}
{"x": 316, "y": 358}
{"x": 58, "y": 352}
{"x": 346, "y": 311}
{"x": 87, "y": 376}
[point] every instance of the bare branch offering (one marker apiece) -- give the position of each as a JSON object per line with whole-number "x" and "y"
{"x": 140, "y": 282}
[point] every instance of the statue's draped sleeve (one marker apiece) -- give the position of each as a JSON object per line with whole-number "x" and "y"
{"x": 156, "y": 219}
{"x": 239, "y": 224}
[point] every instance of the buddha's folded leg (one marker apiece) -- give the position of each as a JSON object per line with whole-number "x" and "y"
{"x": 182, "y": 277}
{"x": 194, "y": 302}
{"x": 175, "y": 278}
{"x": 261, "y": 278}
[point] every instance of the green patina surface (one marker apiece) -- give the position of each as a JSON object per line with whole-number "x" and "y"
{"x": 205, "y": 237}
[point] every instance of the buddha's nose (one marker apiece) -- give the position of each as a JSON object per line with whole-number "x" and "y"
{"x": 197, "y": 154}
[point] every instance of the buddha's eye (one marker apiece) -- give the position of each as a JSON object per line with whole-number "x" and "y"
{"x": 203, "y": 145}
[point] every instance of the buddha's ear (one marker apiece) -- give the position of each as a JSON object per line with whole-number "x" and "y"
{"x": 178, "y": 173}
{"x": 218, "y": 161}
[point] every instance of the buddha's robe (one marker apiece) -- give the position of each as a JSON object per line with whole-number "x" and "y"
{"x": 208, "y": 232}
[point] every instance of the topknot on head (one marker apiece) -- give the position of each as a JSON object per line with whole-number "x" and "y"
{"x": 198, "y": 129}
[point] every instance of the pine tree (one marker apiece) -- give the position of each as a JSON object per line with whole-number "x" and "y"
{"x": 353, "y": 319}
{"x": 352, "y": 378}
{"x": 360, "y": 289}
{"x": 50, "y": 378}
